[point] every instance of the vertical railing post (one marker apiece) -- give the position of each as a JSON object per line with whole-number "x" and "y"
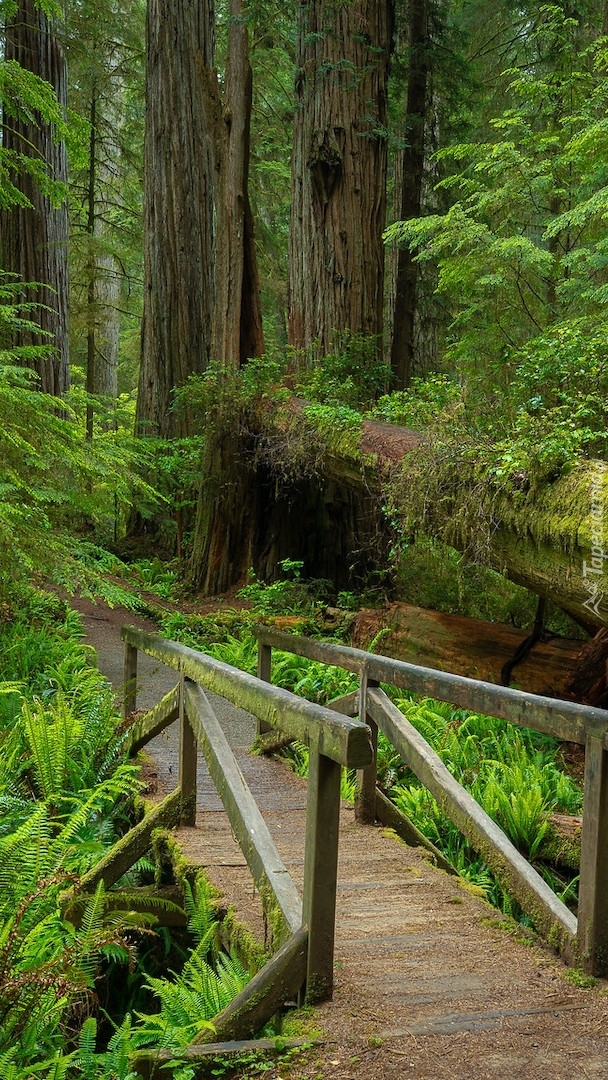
{"x": 365, "y": 796}
{"x": 130, "y": 680}
{"x": 264, "y": 672}
{"x": 320, "y": 873}
{"x": 187, "y": 761}
{"x": 593, "y": 888}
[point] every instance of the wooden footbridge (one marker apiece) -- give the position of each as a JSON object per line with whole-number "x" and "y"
{"x": 414, "y": 963}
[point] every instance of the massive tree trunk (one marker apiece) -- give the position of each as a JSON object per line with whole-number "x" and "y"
{"x": 237, "y": 318}
{"x": 178, "y": 211}
{"x": 226, "y": 506}
{"x": 402, "y": 348}
{"x": 34, "y": 238}
{"x": 336, "y": 256}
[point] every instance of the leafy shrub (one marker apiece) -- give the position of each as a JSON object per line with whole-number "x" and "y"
{"x": 203, "y": 631}
{"x": 311, "y": 679}
{"x": 291, "y": 595}
{"x": 352, "y": 375}
{"x": 419, "y": 405}
{"x": 64, "y": 785}
{"x": 208, "y": 981}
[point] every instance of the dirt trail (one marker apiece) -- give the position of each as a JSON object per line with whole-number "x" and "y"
{"x": 430, "y": 982}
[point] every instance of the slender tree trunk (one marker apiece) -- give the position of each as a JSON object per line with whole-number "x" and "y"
{"x": 392, "y": 253}
{"x": 103, "y": 276}
{"x": 107, "y": 302}
{"x": 91, "y": 263}
{"x": 35, "y": 238}
{"x": 402, "y": 349}
{"x": 336, "y": 257}
{"x": 178, "y": 211}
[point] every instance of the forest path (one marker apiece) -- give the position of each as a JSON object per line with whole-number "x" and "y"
{"x": 430, "y": 981}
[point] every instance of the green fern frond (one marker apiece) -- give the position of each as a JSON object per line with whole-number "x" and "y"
{"x": 120, "y": 1047}
{"x": 202, "y": 915}
{"x": 24, "y": 854}
{"x": 8, "y": 687}
{"x": 87, "y": 1059}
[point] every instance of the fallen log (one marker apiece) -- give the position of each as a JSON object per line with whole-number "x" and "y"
{"x": 552, "y": 540}
{"x": 468, "y": 647}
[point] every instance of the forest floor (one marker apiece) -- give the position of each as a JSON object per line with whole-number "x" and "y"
{"x": 430, "y": 981}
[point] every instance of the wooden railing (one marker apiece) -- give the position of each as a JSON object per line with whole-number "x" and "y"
{"x": 584, "y": 939}
{"x": 306, "y": 934}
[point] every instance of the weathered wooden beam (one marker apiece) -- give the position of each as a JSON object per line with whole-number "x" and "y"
{"x": 150, "y": 1063}
{"x": 187, "y": 763}
{"x": 264, "y": 673}
{"x": 320, "y": 873}
{"x": 388, "y": 815}
{"x": 247, "y": 823}
{"x": 279, "y": 981}
{"x": 342, "y": 739}
{"x": 562, "y": 719}
{"x": 130, "y": 680}
{"x": 271, "y": 742}
{"x": 156, "y": 720}
{"x": 365, "y": 795}
{"x": 348, "y": 705}
{"x": 326, "y": 652}
{"x": 551, "y": 917}
{"x": 593, "y": 887}
{"x": 133, "y": 845}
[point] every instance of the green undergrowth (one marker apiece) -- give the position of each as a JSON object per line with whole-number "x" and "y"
{"x": 134, "y": 585}
{"x": 66, "y": 793}
{"x": 65, "y": 787}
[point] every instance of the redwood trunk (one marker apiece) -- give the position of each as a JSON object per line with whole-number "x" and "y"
{"x": 237, "y": 320}
{"x": 35, "y": 237}
{"x": 178, "y": 211}
{"x": 471, "y": 647}
{"x": 402, "y": 349}
{"x": 561, "y": 564}
{"x": 103, "y": 272}
{"x": 103, "y": 276}
{"x": 222, "y": 537}
{"x": 336, "y": 257}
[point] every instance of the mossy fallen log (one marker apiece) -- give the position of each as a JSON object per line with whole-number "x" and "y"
{"x": 550, "y": 537}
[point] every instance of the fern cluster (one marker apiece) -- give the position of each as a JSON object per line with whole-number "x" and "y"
{"x": 63, "y": 782}
{"x": 65, "y": 785}
{"x": 513, "y": 774}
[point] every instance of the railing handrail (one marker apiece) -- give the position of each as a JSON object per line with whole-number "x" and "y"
{"x": 562, "y": 719}
{"x": 343, "y": 739}
{"x": 334, "y": 739}
{"x": 565, "y": 720}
